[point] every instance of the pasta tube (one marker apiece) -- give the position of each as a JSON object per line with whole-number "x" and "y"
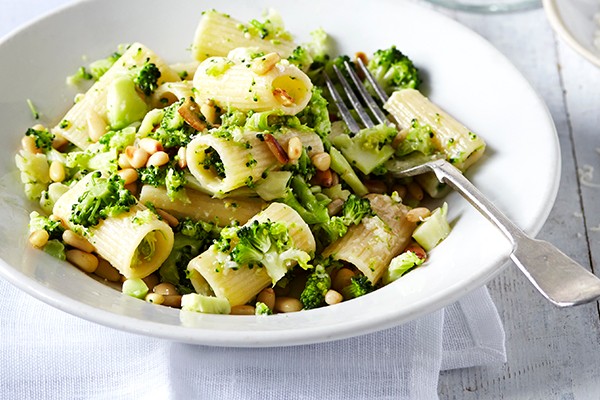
{"x": 460, "y": 146}
{"x": 240, "y": 285}
{"x": 74, "y": 125}
{"x": 204, "y": 207}
{"x": 371, "y": 245}
{"x": 218, "y": 33}
{"x": 232, "y": 83}
{"x": 120, "y": 239}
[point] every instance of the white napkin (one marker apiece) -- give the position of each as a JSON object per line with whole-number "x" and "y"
{"x": 48, "y": 354}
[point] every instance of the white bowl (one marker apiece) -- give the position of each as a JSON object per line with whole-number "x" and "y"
{"x": 574, "y": 22}
{"x": 464, "y": 74}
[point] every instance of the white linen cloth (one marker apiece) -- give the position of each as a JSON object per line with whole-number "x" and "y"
{"x": 48, "y": 354}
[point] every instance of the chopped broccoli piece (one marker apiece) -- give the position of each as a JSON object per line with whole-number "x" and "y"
{"x": 301, "y": 198}
{"x": 37, "y": 222}
{"x": 124, "y": 105}
{"x": 55, "y": 248}
{"x": 301, "y": 58}
{"x": 316, "y": 287}
{"x": 79, "y": 76}
{"x": 135, "y": 287}
{"x": 400, "y": 265}
{"x": 173, "y": 131}
{"x": 359, "y": 286}
{"x": 34, "y": 112}
{"x": 316, "y": 115}
{"x": 330, "y": 231}
{"x": 270, "y": 245}
{"x": 118, "y": 139}
{"x": 213, "y": 161}
{"x": 303, "y": 166}
{"x": 434, "y": 229}
{"x": 104, "y": 197}
{"x": 271, "y": 28}
{"x": 43, "y": 138}
{"x": 205, "y": 304}
{"x": 369, "y": 149}
{"x": 35, "y": 174}
{"x": 418, "y": 138}
{"x": 262, "y": 309}
{"x": 169, "y": 176}
{"x": 147, "y": 78}
{"x": 340, "y": 165}
{"x": 393, "y": 70}
{"x": 355, "y": 209}
{"x": 99, "y": 67}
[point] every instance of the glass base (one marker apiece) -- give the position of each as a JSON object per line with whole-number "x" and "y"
{"x": 489, "y": 6}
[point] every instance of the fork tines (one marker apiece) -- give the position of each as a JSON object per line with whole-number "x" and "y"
{"x": 354, "y": 100}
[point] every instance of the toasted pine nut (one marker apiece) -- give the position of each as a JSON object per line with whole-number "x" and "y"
{"x": 123, "y": 161}
{"x": 59, "y": 141}
{"x": 87, "y": 262}
{"x": 150, "y": 145}
{"x": 321, "y": 161}
{"x": 418, "y": 250}
{"x": 57, "y": 171}
{"x": 267, "y": 296}
{"x": 107, "y": 271}
{"x": 283, "y": 97}
{"x": 399, "y": 138}
{"x": 158, "y": 159}
{"x": 96, "y": 125}
{"x": 133, "y": 188}
{"x": 242, "y": 309}
{"x": 375, "y": 186}
{"x": 335, "y": 206}
{"x": 264, "y": 64}
{"x": 181, "y": 160}
{"x": 168, "y": 218}
{"x": 129, "y": 175}
{"x": 173, "y": 300}
{"x": 342, "y": 279}
{"x": 417, "y": 214}
{"x": 333, "y": 297}
{"x": 400, "y": 190}
{"x": 75, "y": 240}
{"x": 39, "y": 238}
{"x": 415, "y": 190}
{"x": 287, "y": 304}
{"x": 155, "y": 298}
{"x": 166, "y": 289}
{"x": 294, "y": 148}
{"x": 324, "y": 178}
{"x": 138, "y": 157}
{"x": 209, "y": 112}
{"x": 152, "y": 281}
{"x": 28, "y": 144}
{"x": 335, "y": 178}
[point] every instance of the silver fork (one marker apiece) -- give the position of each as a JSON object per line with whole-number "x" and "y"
{"x": 557, "y": 277}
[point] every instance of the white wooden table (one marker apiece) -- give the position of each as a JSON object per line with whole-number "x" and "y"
{"x": 552, "y": 353}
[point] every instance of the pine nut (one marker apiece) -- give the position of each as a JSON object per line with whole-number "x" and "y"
{"x": 107, "y": 271}
{"x": 28, "y": 144}
{"x": 38, "y": 127}
{"x": 123, "y": 161}
{"x": 262, "y": 65}
{"x": 324, "y": 178}
{"x": 418, "y": 250}
{"x": 57, "y": 171}
{"x": 342, "y": 279}
{"x": 166, "y": 289}
{"x": 321, "y": 161}
{"x": 335, "y": 178}
{"x": 283, "y": 97}
{"x": 75, "y": 240}
{"x": 129, "y": 175}
{"x": 294, "y": 148}
{"x": 209, "y": 112}
{"x": 400, "y": 190}
{"x": 399, "y": 138}
{"x": 267, "y": 296}
{"x": 243, "y": 309}
{"x": 96, "y": 125}
{"x": 138, "y": 157}
{"x": 58, "y": 142}
{"x": 287, "y": 304}
{"x": 168, "y": 218}
{"x": 375, "y": 186}
{"x": 157, "y": 159}
{"x": 39, "y": 238}
{"x": 150, "y": 145}
{"x": 172, "y": 300}
{"x": 335, "y": 207}
{"x": 155, "y": 298}
{"x": 85, "y": 261}
{"x": 417, "y": 214}
{"x": 415, "y": 190}
{"x": 333, "y": 297}
{"x": 181, "y": 160}
{"x": 152, "y": 281}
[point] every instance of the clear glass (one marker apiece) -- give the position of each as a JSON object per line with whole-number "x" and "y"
{"x": 489, "y": 6}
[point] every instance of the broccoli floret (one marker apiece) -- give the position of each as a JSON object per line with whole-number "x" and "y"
{"x": 173, "y": 131}
{"x": 369, "y": 149}
{"x": 103, "y": 197}
{"x": 359, "y": 286}
{"x": 316, "y": 287}
{"x": 118, "y": 139}
{"x": 96, "y": 69}
{"x": 302, "y": 199}
{"x": 191, "y": 239}
{"x": 169, "y": 176}
{"x": 418, "y": 138}
{"x": 393, "y": 70}
{"x": 262, "y": 309}
{"x": 301, "y": 58}
{"x": 355, "y": 209}
{"x": 316, "y": 115}
{"x": 43, "y": 138}
{"x": 330, "y": 231}
{"x": 267, "y": 244}
{"x": 303, "y": 166}
{"x": 147, "y": 78}
{"x": 37, "y": 222}
{"x": 400, "y": 265}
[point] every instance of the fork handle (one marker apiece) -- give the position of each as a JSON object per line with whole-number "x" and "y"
{"x": 557, "y": 277}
